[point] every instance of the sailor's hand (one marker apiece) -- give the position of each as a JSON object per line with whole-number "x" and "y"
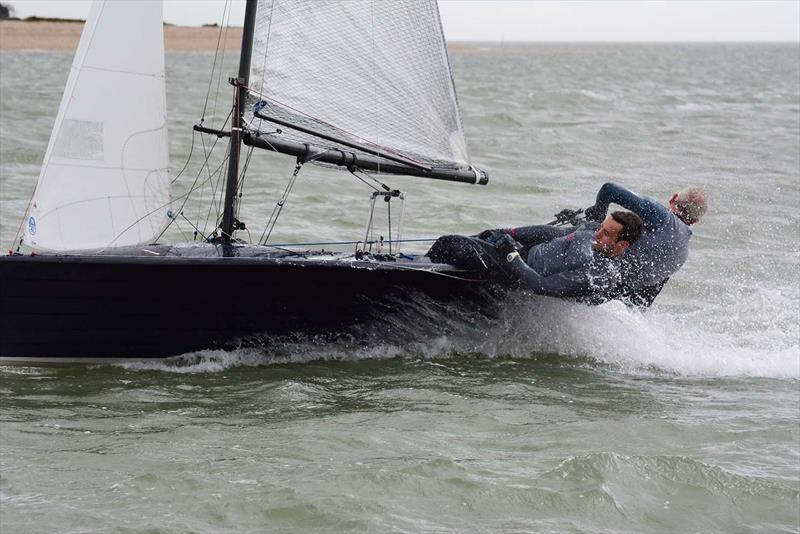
{"x": 594, "y": 213}
{"x": 506, "y": 245}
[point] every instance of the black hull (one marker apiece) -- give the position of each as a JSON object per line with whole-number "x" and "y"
{"x": 111, "y": 306}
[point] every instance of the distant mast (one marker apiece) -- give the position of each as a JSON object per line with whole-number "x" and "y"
{"x": 229, "y": 223}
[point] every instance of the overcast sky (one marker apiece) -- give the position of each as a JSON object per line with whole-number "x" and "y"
{"x": 554, "y": 20}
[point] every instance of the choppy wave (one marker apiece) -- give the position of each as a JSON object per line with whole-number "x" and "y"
{"x": 598, "y": 468}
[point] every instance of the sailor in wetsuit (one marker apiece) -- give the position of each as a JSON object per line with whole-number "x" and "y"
{"x": 664, "y": 246}
{"x": 582, "y": 264}
{"x": 662, "y": 250}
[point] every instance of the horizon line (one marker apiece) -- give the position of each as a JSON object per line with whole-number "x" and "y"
{"x": 40, "y": 19}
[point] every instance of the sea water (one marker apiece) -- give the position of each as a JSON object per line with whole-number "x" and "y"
{"x": 553, "y": 417}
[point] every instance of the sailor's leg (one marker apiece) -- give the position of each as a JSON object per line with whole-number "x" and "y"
{"x": 466, "y": 253}
{"x": 453, "y": 249}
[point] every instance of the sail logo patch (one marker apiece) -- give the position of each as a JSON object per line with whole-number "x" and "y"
{"x": 32, "y": 226}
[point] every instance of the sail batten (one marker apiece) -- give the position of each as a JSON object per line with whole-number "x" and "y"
{"x": 370, "y": 72}
{"x": 104, "y": 181}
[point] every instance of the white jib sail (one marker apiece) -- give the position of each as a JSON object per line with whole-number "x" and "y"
{"x": 373, "y": 72}
{"x": 104, "y": 180}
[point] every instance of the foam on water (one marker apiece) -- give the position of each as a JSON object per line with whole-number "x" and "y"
{"x": 702, "y": 343}
{"x": 616, "y": 335}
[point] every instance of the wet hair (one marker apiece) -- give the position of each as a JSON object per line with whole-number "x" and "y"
{"x": 692, "y": 204}
{"x": 632, "y": 225}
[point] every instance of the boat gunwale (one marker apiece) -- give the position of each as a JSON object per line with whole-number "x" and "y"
{"x": 334, "y": 261}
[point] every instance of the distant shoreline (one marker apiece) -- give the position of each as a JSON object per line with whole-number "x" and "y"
{"x": 63, "y": 36}
{"x": 17, "y": 35}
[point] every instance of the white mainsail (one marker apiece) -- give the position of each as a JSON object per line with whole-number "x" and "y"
{"x": 372, "y": 72}
{"x": 104, "y": 180}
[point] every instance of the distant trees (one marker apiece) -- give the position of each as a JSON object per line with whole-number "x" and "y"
{"x": 6, "y": 11}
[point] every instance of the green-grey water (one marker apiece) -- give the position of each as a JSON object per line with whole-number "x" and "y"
{"x": 554, "y": 417}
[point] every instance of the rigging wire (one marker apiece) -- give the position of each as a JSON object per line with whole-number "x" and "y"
{"x": 212, "y": 184}
{"x": 214, "y": 64}
{"x": 368, "y": 175}
{"x": 276, "y": 211}
{"x": 188, "y": 159}
{"x": 266, "y": 51}
{"x": 216, "y": 203}
{"x": 200, "y": 204}
{"x": 363, "y": 180}
{"x": 225, "y": 22}
{"x": 204, "y": 166}
{"x": 322, "y": 243}
{"x": 228, "y": 194}
{"x": 383, "y": 188}
{"x": 185, "y": 197}
{"x": 196, "y": 229}
{"x": 242, "y": 177}
{"x": 178, "y": 226}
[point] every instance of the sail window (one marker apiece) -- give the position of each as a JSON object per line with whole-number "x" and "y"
{"x": 81, "y": 140}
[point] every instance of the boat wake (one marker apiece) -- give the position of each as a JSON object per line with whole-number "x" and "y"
{"x": 666, "y": 340}
{"x": 661, "y": 341}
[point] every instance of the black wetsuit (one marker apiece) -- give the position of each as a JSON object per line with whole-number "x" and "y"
{"x": 664, "y": 245}
{"x": 568, "y": 267}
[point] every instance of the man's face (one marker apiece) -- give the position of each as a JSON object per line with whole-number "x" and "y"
{"x": 606, "y": 240}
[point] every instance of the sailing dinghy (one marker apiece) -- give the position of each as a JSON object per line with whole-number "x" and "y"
{"x": 99, "y": 284}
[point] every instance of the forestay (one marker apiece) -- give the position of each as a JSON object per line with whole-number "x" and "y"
{"x": 104, "y": 181}
{"x": 372, "y": 72}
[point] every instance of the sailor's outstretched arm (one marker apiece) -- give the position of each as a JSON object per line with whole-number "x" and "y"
{"x": 529, "y": 236}
{"x": 652, "y": 213}
{"x": 567, "y": 284}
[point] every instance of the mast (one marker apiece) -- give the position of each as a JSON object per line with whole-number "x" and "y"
{"x": 229, "y": 223}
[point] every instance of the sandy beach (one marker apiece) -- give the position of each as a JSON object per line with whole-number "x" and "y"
{"x": 21, "y": 35}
